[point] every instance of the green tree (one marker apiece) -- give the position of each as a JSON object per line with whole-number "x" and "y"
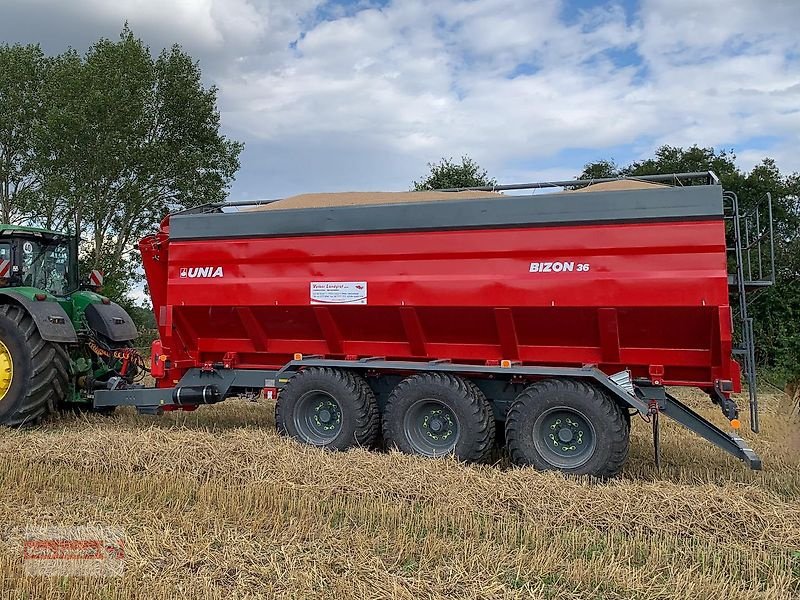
{"x": 128, "y": 139}
{"x": 449, "y": 174}
{"x": 671, "y": 159}
{"x": 22, "y": 71}
{"x": 668, "y": 160}
{"x": 599, "y": 169}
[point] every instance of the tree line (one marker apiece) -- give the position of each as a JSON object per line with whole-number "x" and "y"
{"x": 775, "y": 309}
{"x": 106, "y": 143}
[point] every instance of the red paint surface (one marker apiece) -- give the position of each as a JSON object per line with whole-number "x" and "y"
{"x": 656, "y": 295}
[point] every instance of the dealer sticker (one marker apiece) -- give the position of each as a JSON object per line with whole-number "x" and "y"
{"x": 338, "y": 292}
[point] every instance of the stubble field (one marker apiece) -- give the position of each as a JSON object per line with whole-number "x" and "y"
{"x": 215, "y": 505}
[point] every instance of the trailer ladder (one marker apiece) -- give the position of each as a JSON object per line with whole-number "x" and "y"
{"x": 752, "y": 250}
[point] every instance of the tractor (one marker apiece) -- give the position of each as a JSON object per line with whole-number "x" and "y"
{"x": 59, "y": 340}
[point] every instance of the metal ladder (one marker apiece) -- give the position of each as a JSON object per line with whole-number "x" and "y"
{"x": 752, "y": 247}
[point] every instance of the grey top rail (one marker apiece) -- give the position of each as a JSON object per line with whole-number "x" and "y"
{"x": 675, "y": 178}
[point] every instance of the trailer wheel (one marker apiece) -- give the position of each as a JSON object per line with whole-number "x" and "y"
{"x": 34, "y": 374}
{"x": 435, "y": 414}
{"x": 328, "y": 408}
{"x": 568, "y": 426}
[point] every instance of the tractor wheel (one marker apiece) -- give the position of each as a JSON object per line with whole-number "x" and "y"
{"x": 328, "y": 408}
{"x": 436, "y": 414}
{"x": 569, "y": 426}
{"x": 34, "y": 374}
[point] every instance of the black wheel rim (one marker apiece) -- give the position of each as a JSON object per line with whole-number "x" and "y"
{"x": 564, "y": 437}
{"x": 431, "y": 428}
{"x": 318, "y": 417}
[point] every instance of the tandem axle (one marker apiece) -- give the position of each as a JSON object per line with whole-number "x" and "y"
{"x": 422, "y": 405}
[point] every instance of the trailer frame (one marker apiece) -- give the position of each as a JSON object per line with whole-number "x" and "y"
{"x": 500, "y": 383}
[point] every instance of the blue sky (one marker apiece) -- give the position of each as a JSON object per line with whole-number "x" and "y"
{"x": 360, "y": 95}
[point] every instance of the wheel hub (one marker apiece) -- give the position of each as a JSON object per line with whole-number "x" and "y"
{"x": 327, "y": 415}
{"x": 318, "y": 418}
{"x": 6, "y": 370}
{"x": 564, "y": 437}
{"x": 439, "y": 425}
{"x": 431, "y": 428}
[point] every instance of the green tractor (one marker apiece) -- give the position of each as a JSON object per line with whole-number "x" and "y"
{"x": 59, "y": 341}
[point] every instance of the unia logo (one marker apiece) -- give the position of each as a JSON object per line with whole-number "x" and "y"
{"x": 206, "y": 272}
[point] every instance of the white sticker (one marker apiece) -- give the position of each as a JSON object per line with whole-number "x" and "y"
{"x": 338, "y": 292}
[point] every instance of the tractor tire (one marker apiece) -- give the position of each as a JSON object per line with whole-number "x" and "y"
{"x": 569, "y": 426}
{"x": 328, "y": 408}
{"x": 438, "y": 414}
{"x": 38, "y": 371}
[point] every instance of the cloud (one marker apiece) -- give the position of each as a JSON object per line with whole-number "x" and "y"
{"x": 424, "y": 80}
{"x": 508, "y": 80}
{"x": 221, "y": 33}
{"x": 336, "y": 95}
{"x": 690, "y": 32}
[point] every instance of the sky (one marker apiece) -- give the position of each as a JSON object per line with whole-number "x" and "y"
{"x": 362, "y": 94}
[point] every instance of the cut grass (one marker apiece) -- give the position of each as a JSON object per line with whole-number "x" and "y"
{"x": 216, "y": 505}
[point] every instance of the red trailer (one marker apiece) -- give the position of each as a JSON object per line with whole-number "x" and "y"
{"x": 551, "y": 317}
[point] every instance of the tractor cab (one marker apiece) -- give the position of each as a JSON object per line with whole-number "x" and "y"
{"x": 38, "y": 258}
{"x": 59, "y": 341}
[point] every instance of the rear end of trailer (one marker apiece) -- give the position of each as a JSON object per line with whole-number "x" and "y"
{"x": 439, "y": 322}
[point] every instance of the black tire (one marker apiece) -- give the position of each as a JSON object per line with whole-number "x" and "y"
{"x": 463, "y": 417}
{"x": 328, "y": 408}
{"x": 569, "y": 426}
{"x": 40, "y": 378}
{"x": 627, "y": 416}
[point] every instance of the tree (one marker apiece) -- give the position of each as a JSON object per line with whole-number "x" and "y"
{"x": 668, "y": 160}
{"x": 22, "y": 71}
{"x": 671, "y": 159}
{"x": 600, "y": 169}
{"x": 128, "y": 139}
{"x": 448, "y": 174}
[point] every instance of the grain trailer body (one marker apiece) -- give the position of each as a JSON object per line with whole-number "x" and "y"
{"x": 503, "y": 305}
